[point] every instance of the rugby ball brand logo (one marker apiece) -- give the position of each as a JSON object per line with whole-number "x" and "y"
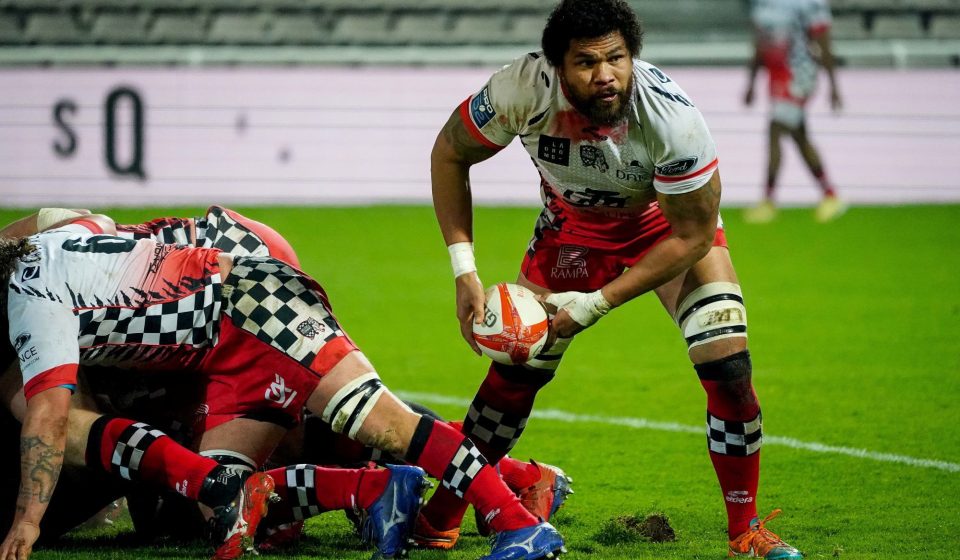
{"x": 481, "y": 110}
{"x": 677, "y": 167}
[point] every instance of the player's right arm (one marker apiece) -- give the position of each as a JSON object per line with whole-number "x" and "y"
{"x": 454, "y": 152}
{"x": 43, "y": 334}
{"x": 53, "y": 218}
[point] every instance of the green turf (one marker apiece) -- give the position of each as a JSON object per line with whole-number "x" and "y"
{"x": 853, "y": 330}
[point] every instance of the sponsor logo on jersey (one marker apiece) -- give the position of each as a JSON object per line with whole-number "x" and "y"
{"x": 27, "y": 354}
{"x": 30, "y": 273}
{"x": 677, "y": 167}
{"x": 310, "y": 328}
{"x": 590, "y": 198}
{"x": 21, "y": 341}
{"x": 278, "y": 392}
{"x": 659, "y": 75}
{"x": 634, "y": 172}
{"x": 571, "y": 263}
{"x": 554, "y": 150}
{"x": 592, "y": 156}
{"x": 181, "y": 487}
{"x": 481, "y": 110}
{"x": 675, "y": 97}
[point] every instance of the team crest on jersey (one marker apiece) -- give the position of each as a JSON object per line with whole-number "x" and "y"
{"x": 592, "y": 156}
{"x": 554, "y": 150}
{"x": 677, "y": 167}
{"x": 481, "y": 109}
{"x": 310, "y": 328}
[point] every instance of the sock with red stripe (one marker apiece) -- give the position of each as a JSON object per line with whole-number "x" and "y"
{"x": 821, "y": 176}
{"x": 464, "y": 472}
{"x": 138, "y": 452}
{"x": 495, "y": 421}
{"x": 309, "y": 490}
{"x": 734, "y": 435}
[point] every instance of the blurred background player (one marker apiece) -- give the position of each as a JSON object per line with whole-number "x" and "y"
{"x": 587, "y": 111}
{"x": 791, "y": 39}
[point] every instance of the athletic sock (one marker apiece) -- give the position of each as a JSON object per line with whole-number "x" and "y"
{"x": 825, "y": 185}
{"x": 309, "y": 490}
{"x": 518, "y": 474}
{"x": 138, "y": 452}
{"x": 464, "y": 472}
{"x": 734, "y": 435}
{"x": 495, "y": 421}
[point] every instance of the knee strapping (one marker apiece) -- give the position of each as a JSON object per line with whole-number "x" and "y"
{"x": 232, "y": 459}
{"x": 712, "y": 312}
{"x": 351, "y": 405}
{"x": 549, "y": 360}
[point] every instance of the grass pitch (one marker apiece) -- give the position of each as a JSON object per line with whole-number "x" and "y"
{"x": 853, "y": 331}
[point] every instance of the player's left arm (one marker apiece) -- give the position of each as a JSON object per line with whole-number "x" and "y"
{"x": 753, "y": 67}
{"x": 821, "y": 39}
{"x": 42, "y": 442}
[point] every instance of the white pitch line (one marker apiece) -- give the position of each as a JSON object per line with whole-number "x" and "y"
{"x": 643, "y": 423}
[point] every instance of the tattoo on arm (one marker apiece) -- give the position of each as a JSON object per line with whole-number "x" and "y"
{"x": 466, "y": 146}
{"x": 40, "y": 465}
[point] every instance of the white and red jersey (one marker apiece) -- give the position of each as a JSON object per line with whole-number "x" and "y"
{"x": 604, "y": 177}
{"x": 784, "y": 29}
{"x": 126, "y": 303}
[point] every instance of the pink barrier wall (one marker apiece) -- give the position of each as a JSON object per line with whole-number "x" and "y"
{"x": 348, "y": 136}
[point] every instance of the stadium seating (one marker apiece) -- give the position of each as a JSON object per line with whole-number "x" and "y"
{"x": 434, "y": 24}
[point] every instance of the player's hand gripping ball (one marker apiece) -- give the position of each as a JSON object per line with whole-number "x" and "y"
{"x": 514, "y": 327}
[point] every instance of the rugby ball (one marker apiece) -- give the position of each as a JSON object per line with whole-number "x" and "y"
{"x": 514, "y": 327}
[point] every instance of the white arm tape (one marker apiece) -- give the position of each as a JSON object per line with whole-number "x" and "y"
{"x": 461, "y": 258}
{"x": 351, "y": 405}
{"x": 584, "y": 308}
{"x": 46, "y": 217}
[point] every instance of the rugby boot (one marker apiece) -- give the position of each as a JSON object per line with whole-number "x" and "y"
{"x": 762, "y": 213}
{"x": 280, "y": 536}
{"x": 760, "y": 542}
{"x": 830, "y": 208}
{"x": 530, "y": 543}
{"x": 425, "y": 536}
{"x": 389, "y": 522}
{"x": 542, "y": 498}
{"x": 233, "y": 526}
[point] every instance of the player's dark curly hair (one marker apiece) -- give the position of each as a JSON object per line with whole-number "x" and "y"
{"x": 10, "y": 251}
{"x": 589, "y": 19}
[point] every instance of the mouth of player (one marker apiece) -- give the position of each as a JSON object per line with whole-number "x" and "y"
{"x": 608, "y": 96}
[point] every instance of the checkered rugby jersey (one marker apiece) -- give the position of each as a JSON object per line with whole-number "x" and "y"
{"x": 784, "y": 29}
{"x": 215, "y": 230}
{"x": 664, "y": 144}
{"x": 127, "y": 303}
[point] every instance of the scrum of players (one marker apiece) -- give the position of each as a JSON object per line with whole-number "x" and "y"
{"x": 212, "y": 386}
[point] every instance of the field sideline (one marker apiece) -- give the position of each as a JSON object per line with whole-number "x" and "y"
{"x": 853, "y": 331}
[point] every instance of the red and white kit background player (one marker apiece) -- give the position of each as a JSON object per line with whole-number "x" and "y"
{"x": 631, "y": 194}
{"x": 792, "y": 41}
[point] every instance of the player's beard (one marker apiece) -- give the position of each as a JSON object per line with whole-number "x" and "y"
{"x": 601, "y": 113}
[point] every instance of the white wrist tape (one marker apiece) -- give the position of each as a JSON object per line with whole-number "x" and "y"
{"x": 461, "y": 258}
{"x": 46, "y": 217}
{"x": 584, "y": 308}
